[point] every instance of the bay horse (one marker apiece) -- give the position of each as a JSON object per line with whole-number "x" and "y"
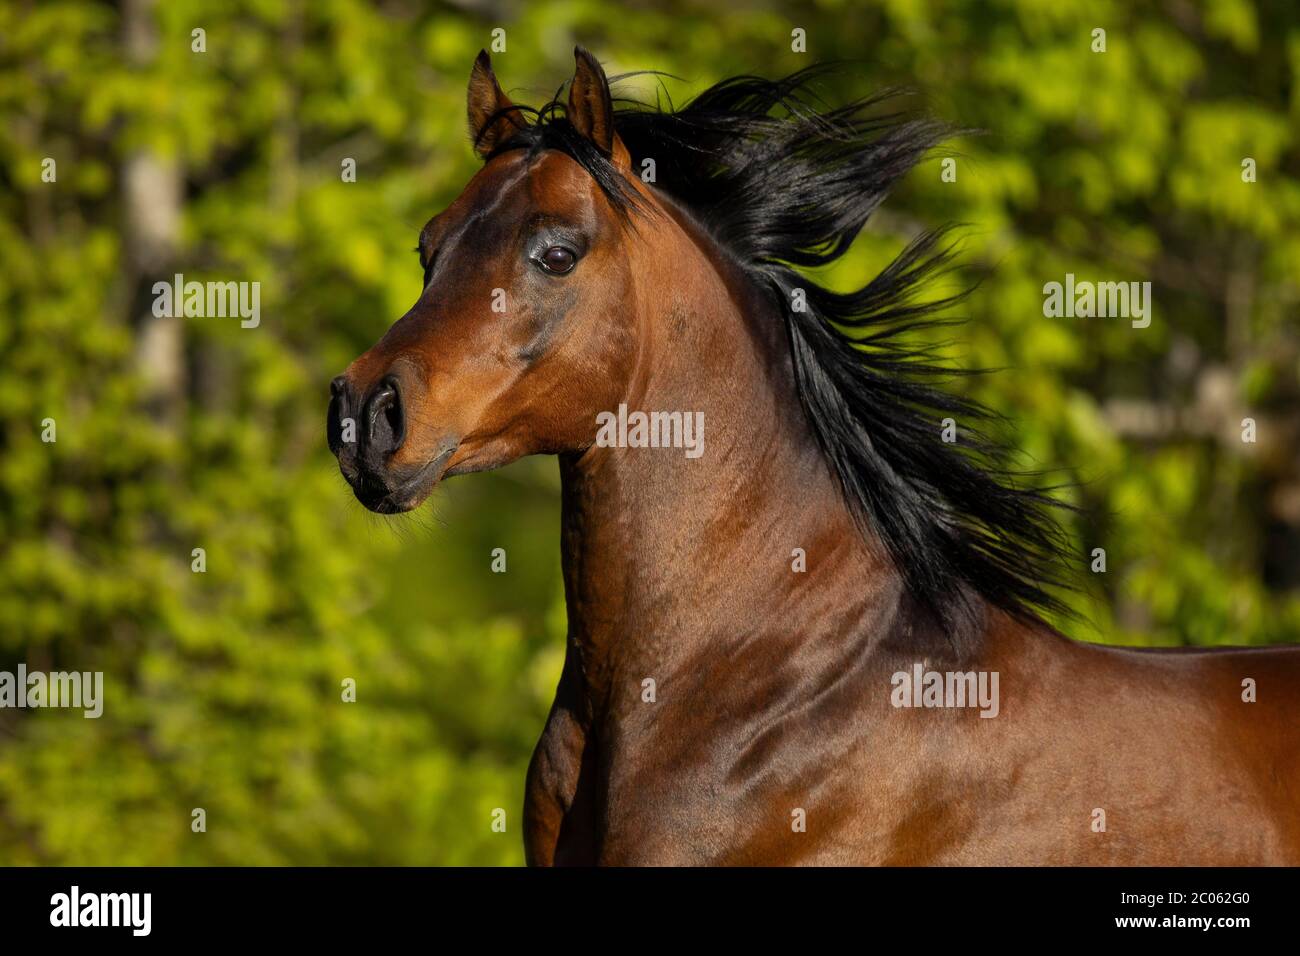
{"x": 822, "y": 640}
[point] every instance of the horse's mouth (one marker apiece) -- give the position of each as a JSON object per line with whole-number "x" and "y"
{"x": 397, "y": 493}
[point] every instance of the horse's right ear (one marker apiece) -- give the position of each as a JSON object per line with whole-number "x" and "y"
{"x": 493, "y": 119}
{"x": 591, "y": 108}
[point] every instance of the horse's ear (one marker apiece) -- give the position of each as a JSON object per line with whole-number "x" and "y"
{"x": 493, "y": 119}
{"x": 591, "y": 110}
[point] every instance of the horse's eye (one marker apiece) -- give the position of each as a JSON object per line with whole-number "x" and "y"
{"x": 558, "y": 260}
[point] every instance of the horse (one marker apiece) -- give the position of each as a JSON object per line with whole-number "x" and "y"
{"x": 822, "y": 637}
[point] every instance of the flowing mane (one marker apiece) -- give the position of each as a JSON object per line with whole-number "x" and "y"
{"x": 784, "y": 183}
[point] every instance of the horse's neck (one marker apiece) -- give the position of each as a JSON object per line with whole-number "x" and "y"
{"x": 674, "y": 564}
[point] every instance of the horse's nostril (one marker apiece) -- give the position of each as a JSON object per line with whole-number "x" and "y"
{"x": 385, "y": 423}
{"x": 393, "y": 412}
{"x": 338, "y": 386}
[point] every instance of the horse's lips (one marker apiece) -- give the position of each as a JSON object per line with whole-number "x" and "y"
{"x": 410, "y": 493}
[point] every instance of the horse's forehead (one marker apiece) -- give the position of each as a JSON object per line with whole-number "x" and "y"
{"x": 556, "y": 181}
{"x": 518, "y": 181}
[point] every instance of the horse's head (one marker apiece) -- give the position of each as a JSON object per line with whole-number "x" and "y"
{"x": 516, "y": 342}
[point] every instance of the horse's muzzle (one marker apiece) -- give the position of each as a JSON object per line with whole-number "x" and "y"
{"x": 364, "y": 432}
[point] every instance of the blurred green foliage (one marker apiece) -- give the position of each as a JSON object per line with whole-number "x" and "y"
{"x": 224, "y": 688}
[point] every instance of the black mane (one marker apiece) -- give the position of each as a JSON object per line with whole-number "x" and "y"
{"x": 784, "y": 183}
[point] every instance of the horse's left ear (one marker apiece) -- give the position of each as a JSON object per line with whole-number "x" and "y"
{"x": 591, "y": 109}
{"x": 493, "y": 119}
